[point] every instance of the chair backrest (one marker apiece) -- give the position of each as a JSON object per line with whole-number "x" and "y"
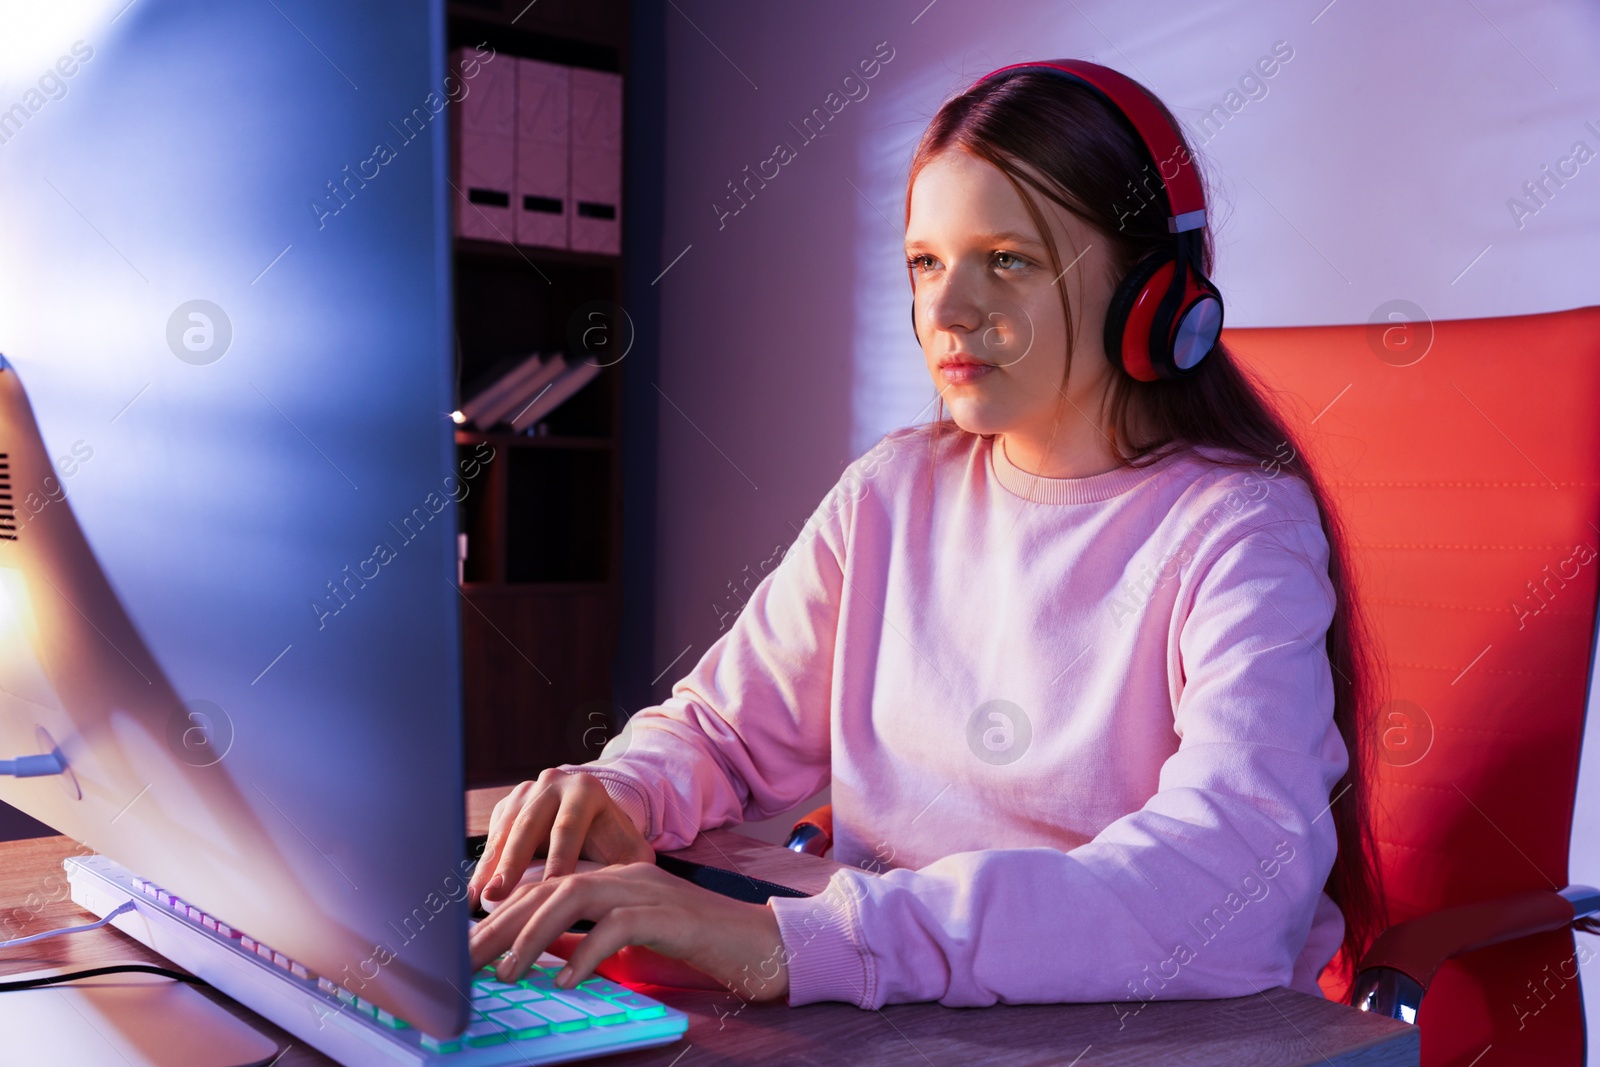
{"x": 1464, "y": 459}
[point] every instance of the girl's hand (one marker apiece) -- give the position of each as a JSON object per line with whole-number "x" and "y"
{"x": 571, "y": 814}
{"x": 736, "y": 944}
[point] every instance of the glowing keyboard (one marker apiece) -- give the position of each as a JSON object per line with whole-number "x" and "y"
{"x": 529, "y": 1022}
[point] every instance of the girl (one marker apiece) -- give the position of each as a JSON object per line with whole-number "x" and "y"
{"x": 1080, "y": 661}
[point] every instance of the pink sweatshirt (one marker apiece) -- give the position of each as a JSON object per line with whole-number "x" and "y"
{"x": 1079, "y": 731}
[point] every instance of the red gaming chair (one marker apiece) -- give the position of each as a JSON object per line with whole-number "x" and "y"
{"x": 1464, "y": 460}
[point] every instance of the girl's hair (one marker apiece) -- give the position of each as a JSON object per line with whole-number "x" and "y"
{"x": 1096, "y": 167}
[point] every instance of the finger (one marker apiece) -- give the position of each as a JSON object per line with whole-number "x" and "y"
{"x": 494, "y": 935}
{"x": 527, "y": 832}
{"x": 559, "y": 906}
{"x": 621, "y": 927}
{"x": 536, "y": 909}
{"x": 491, "y": 849}
{"x": 571, "y": 825}
{"x": 563, "y": 903}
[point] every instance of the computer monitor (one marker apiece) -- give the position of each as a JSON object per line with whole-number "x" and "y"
{"x": 229, "y": 569}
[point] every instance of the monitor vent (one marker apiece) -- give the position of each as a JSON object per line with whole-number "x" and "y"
{"x": 8, "y": 510}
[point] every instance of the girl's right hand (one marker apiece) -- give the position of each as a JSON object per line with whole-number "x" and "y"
{"x": 563, "y": 816}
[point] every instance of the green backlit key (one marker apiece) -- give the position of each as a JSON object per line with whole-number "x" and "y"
{"x": 521, "y": 1023}
{"x": 484, "y": 1032}
{"x": 433, "y": 1044}
{"x": 602, "y": 1011}
{"x": 563, "y": 1017}
{"x": 603, "y": 987}
{"x": 639, "y": 1007}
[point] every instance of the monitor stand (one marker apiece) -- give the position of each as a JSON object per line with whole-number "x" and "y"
{"x": 142, "y": 1020}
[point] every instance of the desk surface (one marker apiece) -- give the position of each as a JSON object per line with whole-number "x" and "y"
{"x": 1278, "y": 1027}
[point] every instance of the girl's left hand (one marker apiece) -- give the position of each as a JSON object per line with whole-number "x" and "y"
{"x": 735, "y": 943}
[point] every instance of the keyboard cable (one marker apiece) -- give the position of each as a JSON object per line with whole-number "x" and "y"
{"x": 93, "y": 972}
{"x": 17, "y": 942}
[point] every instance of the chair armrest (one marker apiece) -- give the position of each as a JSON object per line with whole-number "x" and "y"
{"x": 1402, "y": 962}
{"x": 813, "y": 835}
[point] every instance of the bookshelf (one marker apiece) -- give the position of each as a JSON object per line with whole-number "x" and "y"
{"x": 542, "y": 578}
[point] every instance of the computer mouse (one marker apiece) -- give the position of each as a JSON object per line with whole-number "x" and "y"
{"x": 535, "y": 873}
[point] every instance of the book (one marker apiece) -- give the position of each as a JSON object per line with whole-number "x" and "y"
{"x": 534, "y": 387}
{"x": 573, "y": 379}
{"x": 511, "y": 390}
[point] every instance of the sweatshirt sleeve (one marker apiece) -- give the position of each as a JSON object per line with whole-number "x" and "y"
{"x": 1208, "y": 890}
{"x": 746, "y": 734}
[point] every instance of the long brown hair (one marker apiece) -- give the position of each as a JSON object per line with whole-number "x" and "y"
{"x": 1095, "y": 166}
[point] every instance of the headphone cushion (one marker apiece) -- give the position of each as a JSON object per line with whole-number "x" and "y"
{"x": 1122, "y": 301}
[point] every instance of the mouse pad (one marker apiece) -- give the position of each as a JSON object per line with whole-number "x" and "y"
{"x": 142, "y": 1020}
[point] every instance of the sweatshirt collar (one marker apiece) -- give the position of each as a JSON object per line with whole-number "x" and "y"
{"x": 1088, "y": 490}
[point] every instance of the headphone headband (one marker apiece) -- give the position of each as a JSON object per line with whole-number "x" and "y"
{"x": 1185, "y": 200}
{"x": 1165, "y": 316}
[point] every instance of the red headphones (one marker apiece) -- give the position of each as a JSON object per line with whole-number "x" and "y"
{"x": 1165, "y": 316}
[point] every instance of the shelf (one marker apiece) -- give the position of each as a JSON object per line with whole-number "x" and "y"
{"x": 542, "y": 576}
{"x": 585, "y": 33}
{"x": 536, "y": 664}
{"x": 532, "y": 255}
{"x": 533, "y": 589}
{"x": 522, "y": 440}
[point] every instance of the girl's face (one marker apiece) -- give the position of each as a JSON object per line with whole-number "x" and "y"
{"x": 987, "y": 307}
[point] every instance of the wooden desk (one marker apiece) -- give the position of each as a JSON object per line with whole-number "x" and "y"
{"x": 1278, "y": 1027}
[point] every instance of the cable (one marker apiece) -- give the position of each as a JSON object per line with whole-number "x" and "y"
{"x": 125, "y": 906}
{"x": 124, "y": 968}
{"x": 93, "y": 972}
{"x": 33, "y": 766}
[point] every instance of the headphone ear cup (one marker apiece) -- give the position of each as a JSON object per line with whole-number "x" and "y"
{"x": 1130, "y": 352}
{"x": 1150, "y": 346}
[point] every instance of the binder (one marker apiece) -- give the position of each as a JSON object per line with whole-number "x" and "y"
{"x": 541, "y": 205}
{"x": 596, "y": 167}
{"x": 483, "y": 145}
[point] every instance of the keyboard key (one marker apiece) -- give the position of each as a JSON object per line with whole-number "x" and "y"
{"x": 298, "y": 971}
{"x": 604, "y": 987}
{"x": 365, "y": 1007}
{"x": 522, "y": 1023}
{"x": 393, "y": 1022}
{"x": 603, "y": 1012}
{"x": 520, "y": 996}
{"x": 484, "y": 1003}
{"x": 562, "y": 1016}
{"x": 443, "y": 1047}
{"x": 247, "y": 943}
{"x": 639, "y": 1006}
{"x": 491, "y": 985}
{"x": 484, "y": 1032}
{"x": 327, "y": 986}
